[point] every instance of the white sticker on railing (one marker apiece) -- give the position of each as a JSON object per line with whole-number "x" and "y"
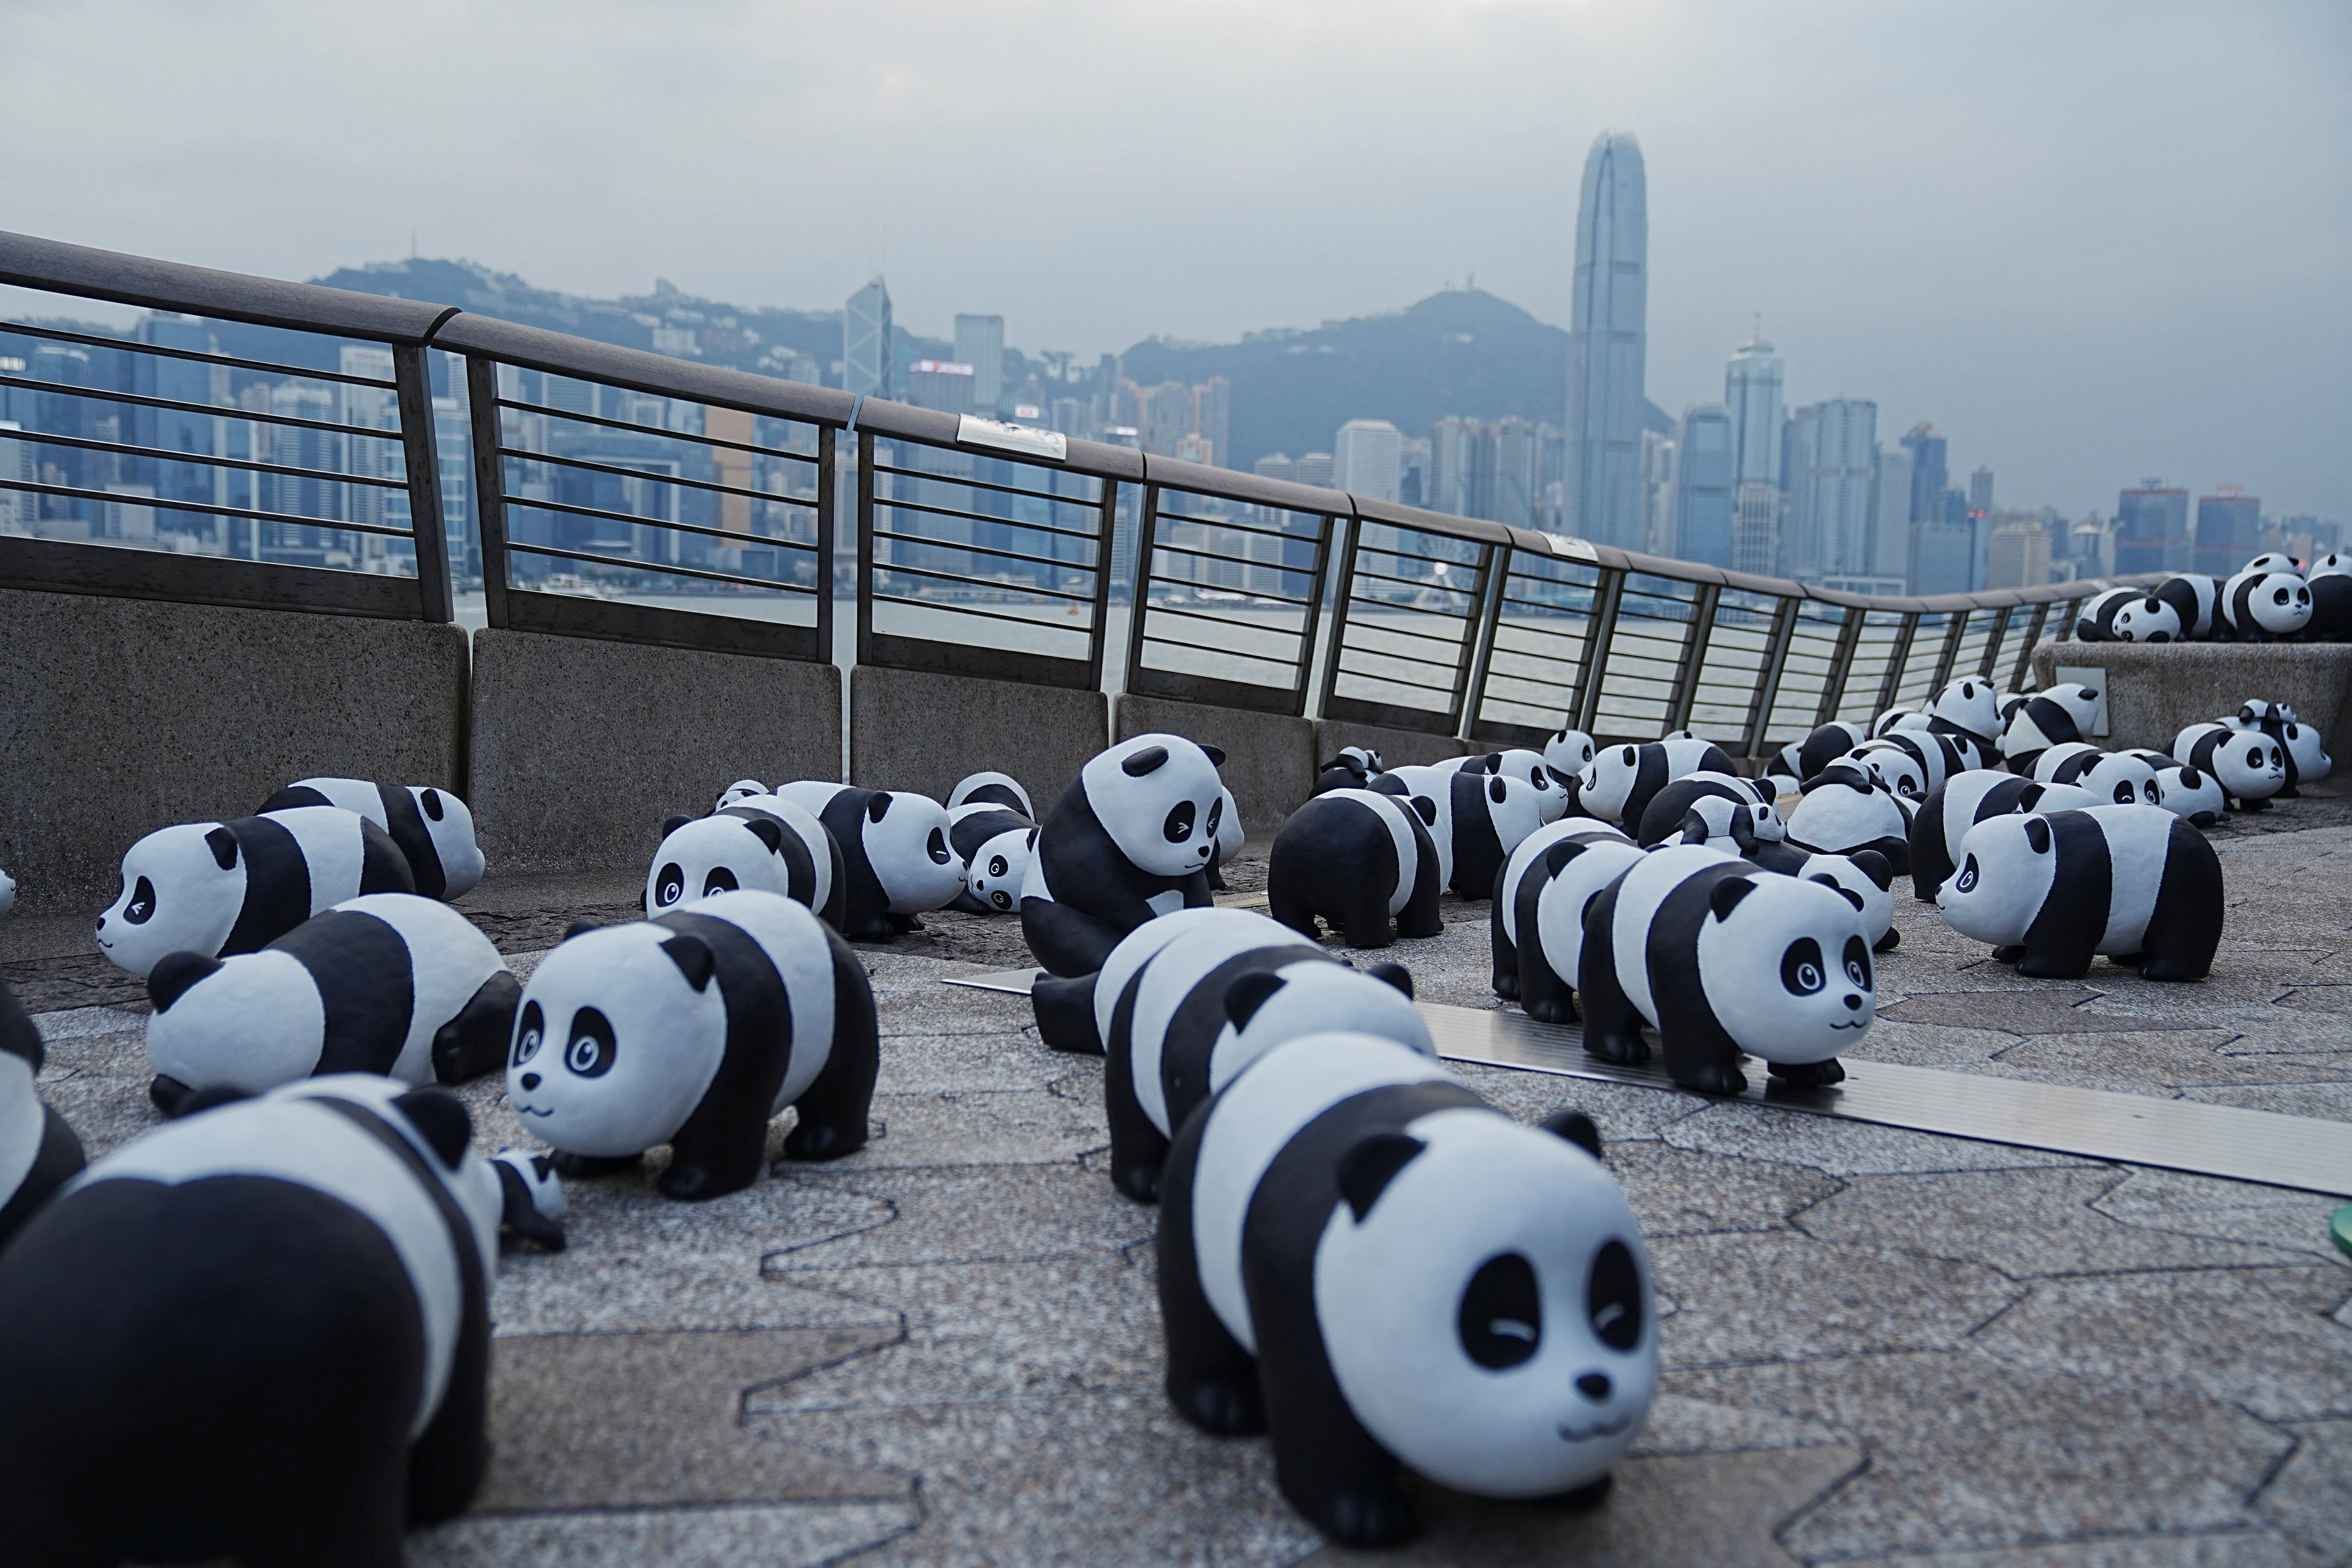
{"x": 1561, "y": 545}
{"x": 973, "y": 431}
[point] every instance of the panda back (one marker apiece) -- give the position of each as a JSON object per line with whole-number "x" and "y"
{"x": 972, "y": 826}
{"x": 816, "y": 842}
{"x": 1642, "y": 893}
{"x": 1532, "y": 849}
{"x": 447, "y": 958}
{"x": 1390, "y": 811}
{"x": 365, "y": 977}
{"x": 1137, "y": 949}
{"x": 1173, "y": 1048}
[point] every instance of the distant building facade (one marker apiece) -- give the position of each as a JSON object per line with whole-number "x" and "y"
{"x": 1704, "y": 486}
{"x": 1752, "y": 395}
{"x": 980, "y": 344}
{"x": 2017, "y": 554}
{"x": 1367, "y": 459}
{"x": 2229, "y": 531}
{"x": 1834, "y": 455}
{"x": 2152, "y": 529}
{"x": 865, "y": 342}
{"x": 1607, "y": 345}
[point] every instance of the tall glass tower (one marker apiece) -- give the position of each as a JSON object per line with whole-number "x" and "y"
{"x": 1751, "y": 392}
{"x": 865, "y": 342}
{"x": 1606, "y": 345}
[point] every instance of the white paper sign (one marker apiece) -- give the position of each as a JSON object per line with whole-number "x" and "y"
{"x": 973, "y": 431}
{"x": 2092, "y": 676}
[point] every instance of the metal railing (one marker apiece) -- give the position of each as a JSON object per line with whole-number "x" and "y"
{"x": 629, "y": 496}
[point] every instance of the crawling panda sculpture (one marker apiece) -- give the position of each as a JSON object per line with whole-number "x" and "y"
{"x": 329, "y": 1246}
{"x": 1720, "y": 956}
{"x": 2260, "y": 605}
{"x": 1351, "y": 767}
{"x": 390, "y": 984}
{"x": 992, "y": 789}
{"x": 2128, "y": 614}
{"x": 218, "y": 887}
{"x": 1361, "y": 1258}
{"x": 2251, "y": 766}
{"x": 1806, "y": 758}
{"x": 1363, "y": 860}
{"x": 1480, "y": 819}
{"x": 1566, "y": 752}
{"x": 1527, "y": 868}
{"x": 1967, "y": 709}
{"x": 2115, "y": 778}
{"x": 1550, "y": 903}
{"x": 2194, "y": 599}
{"x": 433, "y": 828}
{"x": 761, "y": 842}
{"x": 1954, "y": 806}
{"x": 895, "y": 858}
{"x": 1716, "y": 797}
{"x": 2182, "y": 790}
{"x": 1130, "y": 838}
{"x": 1937, "y": 754}
{"x": 2134, "y": 882}
{"x": 1845, "y": 808}
{"x": 1899, "y": 770}
{"x": 2306, "y": 759}
{"x": 2044, "y": 719}
{"x": 993, "y": 843}
{"x": 38, "y": 1153}
{"x": 1617, "y": 785}
{"x": 695, "y": 1029}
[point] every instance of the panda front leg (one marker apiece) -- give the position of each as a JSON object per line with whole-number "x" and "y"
{"x": 1212, "y": 1380}
{"x": 351, "y": 1515}
{"x": 1506, "y": 980}
{"x": 1332, "y": 1470}
{"x": 1139, "y": 1150}
{"x": 580, "y": 1166}
{"x": 1612, "y": 1025}
{"x": 834, "y": 1107}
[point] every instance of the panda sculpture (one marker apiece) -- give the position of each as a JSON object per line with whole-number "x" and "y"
{"x": 2335, "y": 564}
{"x": 1481, "y": 818}
{"x": 1550, "y": 906}
{"x": 2298, "y": 742}
{"x": 2274, "y": 561}
{"x": 2134, "y": 882}
{"x": 1550, "y": 789}
{"x": 762, "y": 842}
{"x": 1129, "y": 839}
{"x": 1527, "y": 862}
{"x": 297, "y": 1288}
{"x": 1824, "y": 746}
{"x": 1844, "y": 809}
{"x": 2128, "y": 614}
{"x": 2195, "y": 599}
{"x": 38, "y": 1153}
{"x": 1937, "y": 754}
{"x": 2331, "y": 605}
{"x": 1721, "y": 956}
{"x": 1967, "y": 708}
{"x": 1351, "y": 767}
{"x": 992, "y": 842}
{"x": 1187, "y": 1017}
{"x": 390, "y": 984}
{"x": 1616, "y": 786}
{"x": 895, "y": 858}
{"x": 1865, "y": 877}
{"x": 2249, "y": 766}
{"x": 1715, "y": 796}
{"x": 2115, "y": 778}
{"x": 2264, "y": 606}
{"x": 1567, "y": 753}
{"x": 1953, "y": 807}
{"x": 1361, "y": 1258}
{"x": 2184, "y": 790}
{"x": 433, "y": 828}
{"x": 218, "y": 887}
{"x": 1230, "y": 838}
{"x": 992, "y": 789}
{"x": 2044, "y": 719}
{"x": 695, "y": 1029}
{"x": 1899, "y": 769}
{"x": 8, "y": 892}
{"x": 1363, "y": 860}
{"x": 741, "y": 789}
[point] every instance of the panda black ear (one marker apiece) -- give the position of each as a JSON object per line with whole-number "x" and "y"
{"x": 2037, "y": 834}
{"x": 1842, "y": 891}
{"x": 223, "y": 844}
{"x": 210, "y": 1098}
{"x": 1216, "y": 754}
{"x": 1492, "y": 763}
{"x": 1557, "y": 857}
{"x": 1033, "y": 838}
{"x": 767, "y": 831}
{"x": 1146, "y": 760}
{"x": 580, "y": 928}
{"x": 441, "y": 1117}
{"x": 174, "y": 973}
{"x": 1426, "y": 808}
{"x": 1874, "y": 866}
{"x": 1575, "y": 1127}
{"x": 674, "y": 824}
{"x": 1725, "y": 895}
{"x": 430, "y": 801}
{"x": 1497, "y": 791}
{"x": 694, "y": 959}
{"x": 879, "y": 806}
{"x": 1366, "y": 1170}
{"x": 2028, "y": 796}
{"x": 1247, "y": 993}
{"x": 1395, "y": 974}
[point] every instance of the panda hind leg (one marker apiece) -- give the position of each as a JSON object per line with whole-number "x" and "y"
{"x": 1419, "y": 917}
{"x": 1364, "y": 920}
{"x": 1612, "y": 1025}
{"x": 1138, "y": 1150}
{"x": 1213, "y": 1381}
{"x": 567, "y": 1163}
{"x": 475, "y": 1041}
{"x": 2036, "y": 963}
{"x": 833, "y": 1109}
{"x": 1809, "y": 1075}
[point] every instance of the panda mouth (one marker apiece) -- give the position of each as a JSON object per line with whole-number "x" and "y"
{"x": 1857, "y": 1023}
{"x": 534, "y": 1111}
{"x": 1598, "y": 1430}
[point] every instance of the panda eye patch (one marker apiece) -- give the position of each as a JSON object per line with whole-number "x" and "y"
{"x": 1501, "y": 1320}
{"x": 592, "y": 1049}
{"x": 937, "y": 848}
{"x": 997, "y": 866}
{"x": 1614, "y": 1297}
{"x": 141, "y": 907}
{"x": 2254, "y": 757}
{"x": 1178, "y": 825}
{"x": 528, "y": 1030}
{"x": 1857, "y": 962}
{"x": 720, "y": 880}
{"x": 1800, "y": 967}
{"x": 1216, "y": 813}
{"x": 670, "y": 885}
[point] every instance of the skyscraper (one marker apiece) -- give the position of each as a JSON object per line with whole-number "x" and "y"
{"x": 2152, "y": 529}
{"x": 980, "y": 344}
{"x": 1890, "y": 522}
{"x": 1751, "y": 392}
{"x": 1926, "y": 449}
{"x": 1755, "y": 532}
{"x": 1834, "y": 446}
{"x": 1704, "y": 487}
{"x": 2229, "y": 531}
{"x": 1606, "y": 345}
{"x": 1367, "y": 459}
{"x": 2018, "y": 555}
{"x": 865, "y": 341}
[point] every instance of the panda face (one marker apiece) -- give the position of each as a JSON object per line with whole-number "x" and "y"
{"x": 2250, "y": 766}
{"x": 907, "y": 846}
{"x": 1895, "y": 769}
{"x": 1159, "y": 799}
{"x": 2147, "y": 620}
{"x": 2008, "y": 865}
{"x": 1567, "y": 754}
{"x": 1518, "y": 809}
{"x": 181, "y": 889}
{"x": 716, "y": 855}
{"x": 2120, "y": 780}
{"x": 741, "y": 789}
{"x": 1607, "y": 780}
{"x": 998, "y": 866}
{"x": 449, "y": 823}
{"x": 252, "y": 1022}
{"x": 1490, "y": 1317}
{"x": 1787, "y": 967}
{"x": 613, "y": 1044}
{"x": 2280, "y": 603}
{"x": 1530, "y": 769}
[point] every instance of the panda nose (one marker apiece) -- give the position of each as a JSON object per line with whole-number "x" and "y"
{"x": 529, "y": 1081}
{"x": 1854, "y": 1002}
{"x": 1593, "y": 1386}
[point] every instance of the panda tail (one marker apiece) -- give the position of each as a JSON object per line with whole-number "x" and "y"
{"x": 1066, "y": 1014}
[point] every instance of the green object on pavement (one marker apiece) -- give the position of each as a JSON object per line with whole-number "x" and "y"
{"x": 2340, "y": 1227}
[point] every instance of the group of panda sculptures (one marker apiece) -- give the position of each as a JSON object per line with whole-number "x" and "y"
{"x": 2272, "y": 598}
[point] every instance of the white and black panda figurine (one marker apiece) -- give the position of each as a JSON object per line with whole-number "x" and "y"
{"x": 528, "y": 1181}
{"x": 1229, "y": 839}
{"x": 1130, "y": 838}
{"x": 329, "y": 1246}
{"x": 2134, "y": 882}
{"x": 2128, "y": 614}
{"x": 993, "y": 842}
{"x": 1617, "y": 784}
{"x": 1899, "y": 769}
{"x": 894, "y": 855}
{"x": 1721, "y": 956}
{"x": 1361, "y": 1258}
{"x": 2331, "y": 605}
{"x": 390, "y": 984}
{"x": 38, "y": 1153}
{"x": 8, "y": 892}
{"x": 696, "y": 1030}
{"x": 433, "y": 828}
{"x": 218, "y": 888}
{"x": 1550, "y": 789}
{"x": 2044, "y": 719}
{"x": 1940, "y": 753}
{"x": 741, "y": 789}
{"x": 1954, "y": 806}
{"x": 1524, "y": 868}
{"x": 2298, "y": 742}
{"x": 2115, "y": 778}
{"x": 1351, "y": 767}
{"x": 2263, "y": 606}
{"x": 1567, "y": 753}
{"x": 2274, "y": 561}
{"x": 2251, "y": 766}
{"x": 1845, "y": 808}
{"x": 1968, "y": 709}
{"x": 1824, "y": 746}
{"x": 1481, "y": 817}
{"x": 2335, "y": 564}
{"x": 1549, "y": 905}
{"x": 992, "y": 789}
{"x": 1716, "y": 797}
{"x": 1865, "y": 877}
{"x": 2184, "y": 790}
{"x": 758, "y": 841}
{"x": 1365, "y": 861}
{"x": 2195, "y": 599}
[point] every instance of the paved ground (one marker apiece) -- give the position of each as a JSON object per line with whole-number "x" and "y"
{"x": 1881, "y": 1347}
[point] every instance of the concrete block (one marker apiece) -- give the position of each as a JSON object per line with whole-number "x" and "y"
{"x": 1269, "y": 757}
{"x": 121, "y": 716}
{"x": 2157, "y": 691}
{"x": 580, "y": 747}
{"x": 1398, "y": 748}
{"x": 916, "y": 731}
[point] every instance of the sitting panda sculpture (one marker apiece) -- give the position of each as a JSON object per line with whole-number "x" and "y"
{"x": 1480, "y": 819}
{"x": 1566, "y": 754}
{"x": 1351, "y": 767}
{"x": 761, "y": 842}
{"x": 1550, "y": 906}
{"x": 1721, "y": 956}
{"x": 1617, "y": 785}
{"x": 1130, "y": 838}
{"x": 390, "y": 984}
{"x": 2298, "y": 742}
{"x": 1527, "y": 868}
{"x": 2251, "y": 766}
{"x": 2262, "y": 605}
{"x": 2044, "y": 719}
{"x": 331, "y": 1247}
{"x": 1361, "y": 1258}
{"x": 219, "y": 888}
{"x": 2134, "y": 882}
{"x": 894, "y": 855}
{"x": 38, "y": 1153}
{"x": 1363, "y": 860}
{"x": 2193, "y": 599}
{"x": 695, "y": 1029}
{"x": 433, "y": 828}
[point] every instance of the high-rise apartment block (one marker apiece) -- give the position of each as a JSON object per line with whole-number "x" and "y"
{"x": 1752, "y": 393}
{"x": 1367, "y": 459}
{"x": 1756, "y": 530}
{"x": 2229, "y": 531}
{"x": 980, "y": 344}
{"x": 2017, "y": 555}
{"x": 1890, "y": 521}
{"x": 1927, "y": 450}
{"x": 1704, "y": 489}
{"x": 1212, "y": 418}
{"x": 1606, "y": 346}
{"x": 2152, "y": 529}
{"x": 1834, "y": 453}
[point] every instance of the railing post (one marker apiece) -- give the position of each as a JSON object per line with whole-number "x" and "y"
{"x": 865, "y": 546}
{"x": 1840, "y": 660}
{"x": 824, "y": 577}
{"x": 1951, "y": 649}
{"x": 1768, "y": 677}
{"x": 1607, "y": 593}
{"x": 1490, "y": 620}
{"x": 1147, "y": 534}
{"x": 490, "y": 482}
{"x": 1993, "y": 642}
{"x": 1474, "y": 632}
{"x": 1326, "y": 528}
{"x": 1338, "y": 635}
{"x": 413, "y": 390}
{"x": 1686, "y": 693}
{"x": 2025, "y": 647}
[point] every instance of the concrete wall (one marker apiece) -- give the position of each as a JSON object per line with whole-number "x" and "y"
{"x": 2155, "y": 691}
{"x": 121, "y": 716}
{"x": 1398, "y": 748}
{"x": 582, "y": 747}
{"x": 1269, "y": 757}
{"x": 915, "y": 730}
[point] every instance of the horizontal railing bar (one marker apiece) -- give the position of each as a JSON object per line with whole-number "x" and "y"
{"x": 1354, "y": 624}
{"x": 1306, "y": 538}
{"x": 1230, "y": 560}
{"x": 620, "y": 471}
{"x": 209, "y": 410}
{"x": 1025, "y": 589}
{"x": 1032, "y": 622}
{"x": 1378, "y": 679}
{"x": 1293, "y": 633}
{"x": 982, "y": 550}
{"x": 1088, "y": 502}
{"x": 569, "y": 509}
{"x": 158, "y": 503}
{"x": 663, "y": 570}
{"x": 881, "y": 501}
{"x": 662, "y": 433}
{"x": 159, "y": 351}
{"x": 1419, "y": 584}
{"x": 165, "y": 455}
{"x": 1251, "y": 593}
{"x": 1276, "y": 659}
{"x": 1519, "y": 679}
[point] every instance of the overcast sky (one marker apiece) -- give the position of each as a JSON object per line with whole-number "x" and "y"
{"x": 2090, "y": 241}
